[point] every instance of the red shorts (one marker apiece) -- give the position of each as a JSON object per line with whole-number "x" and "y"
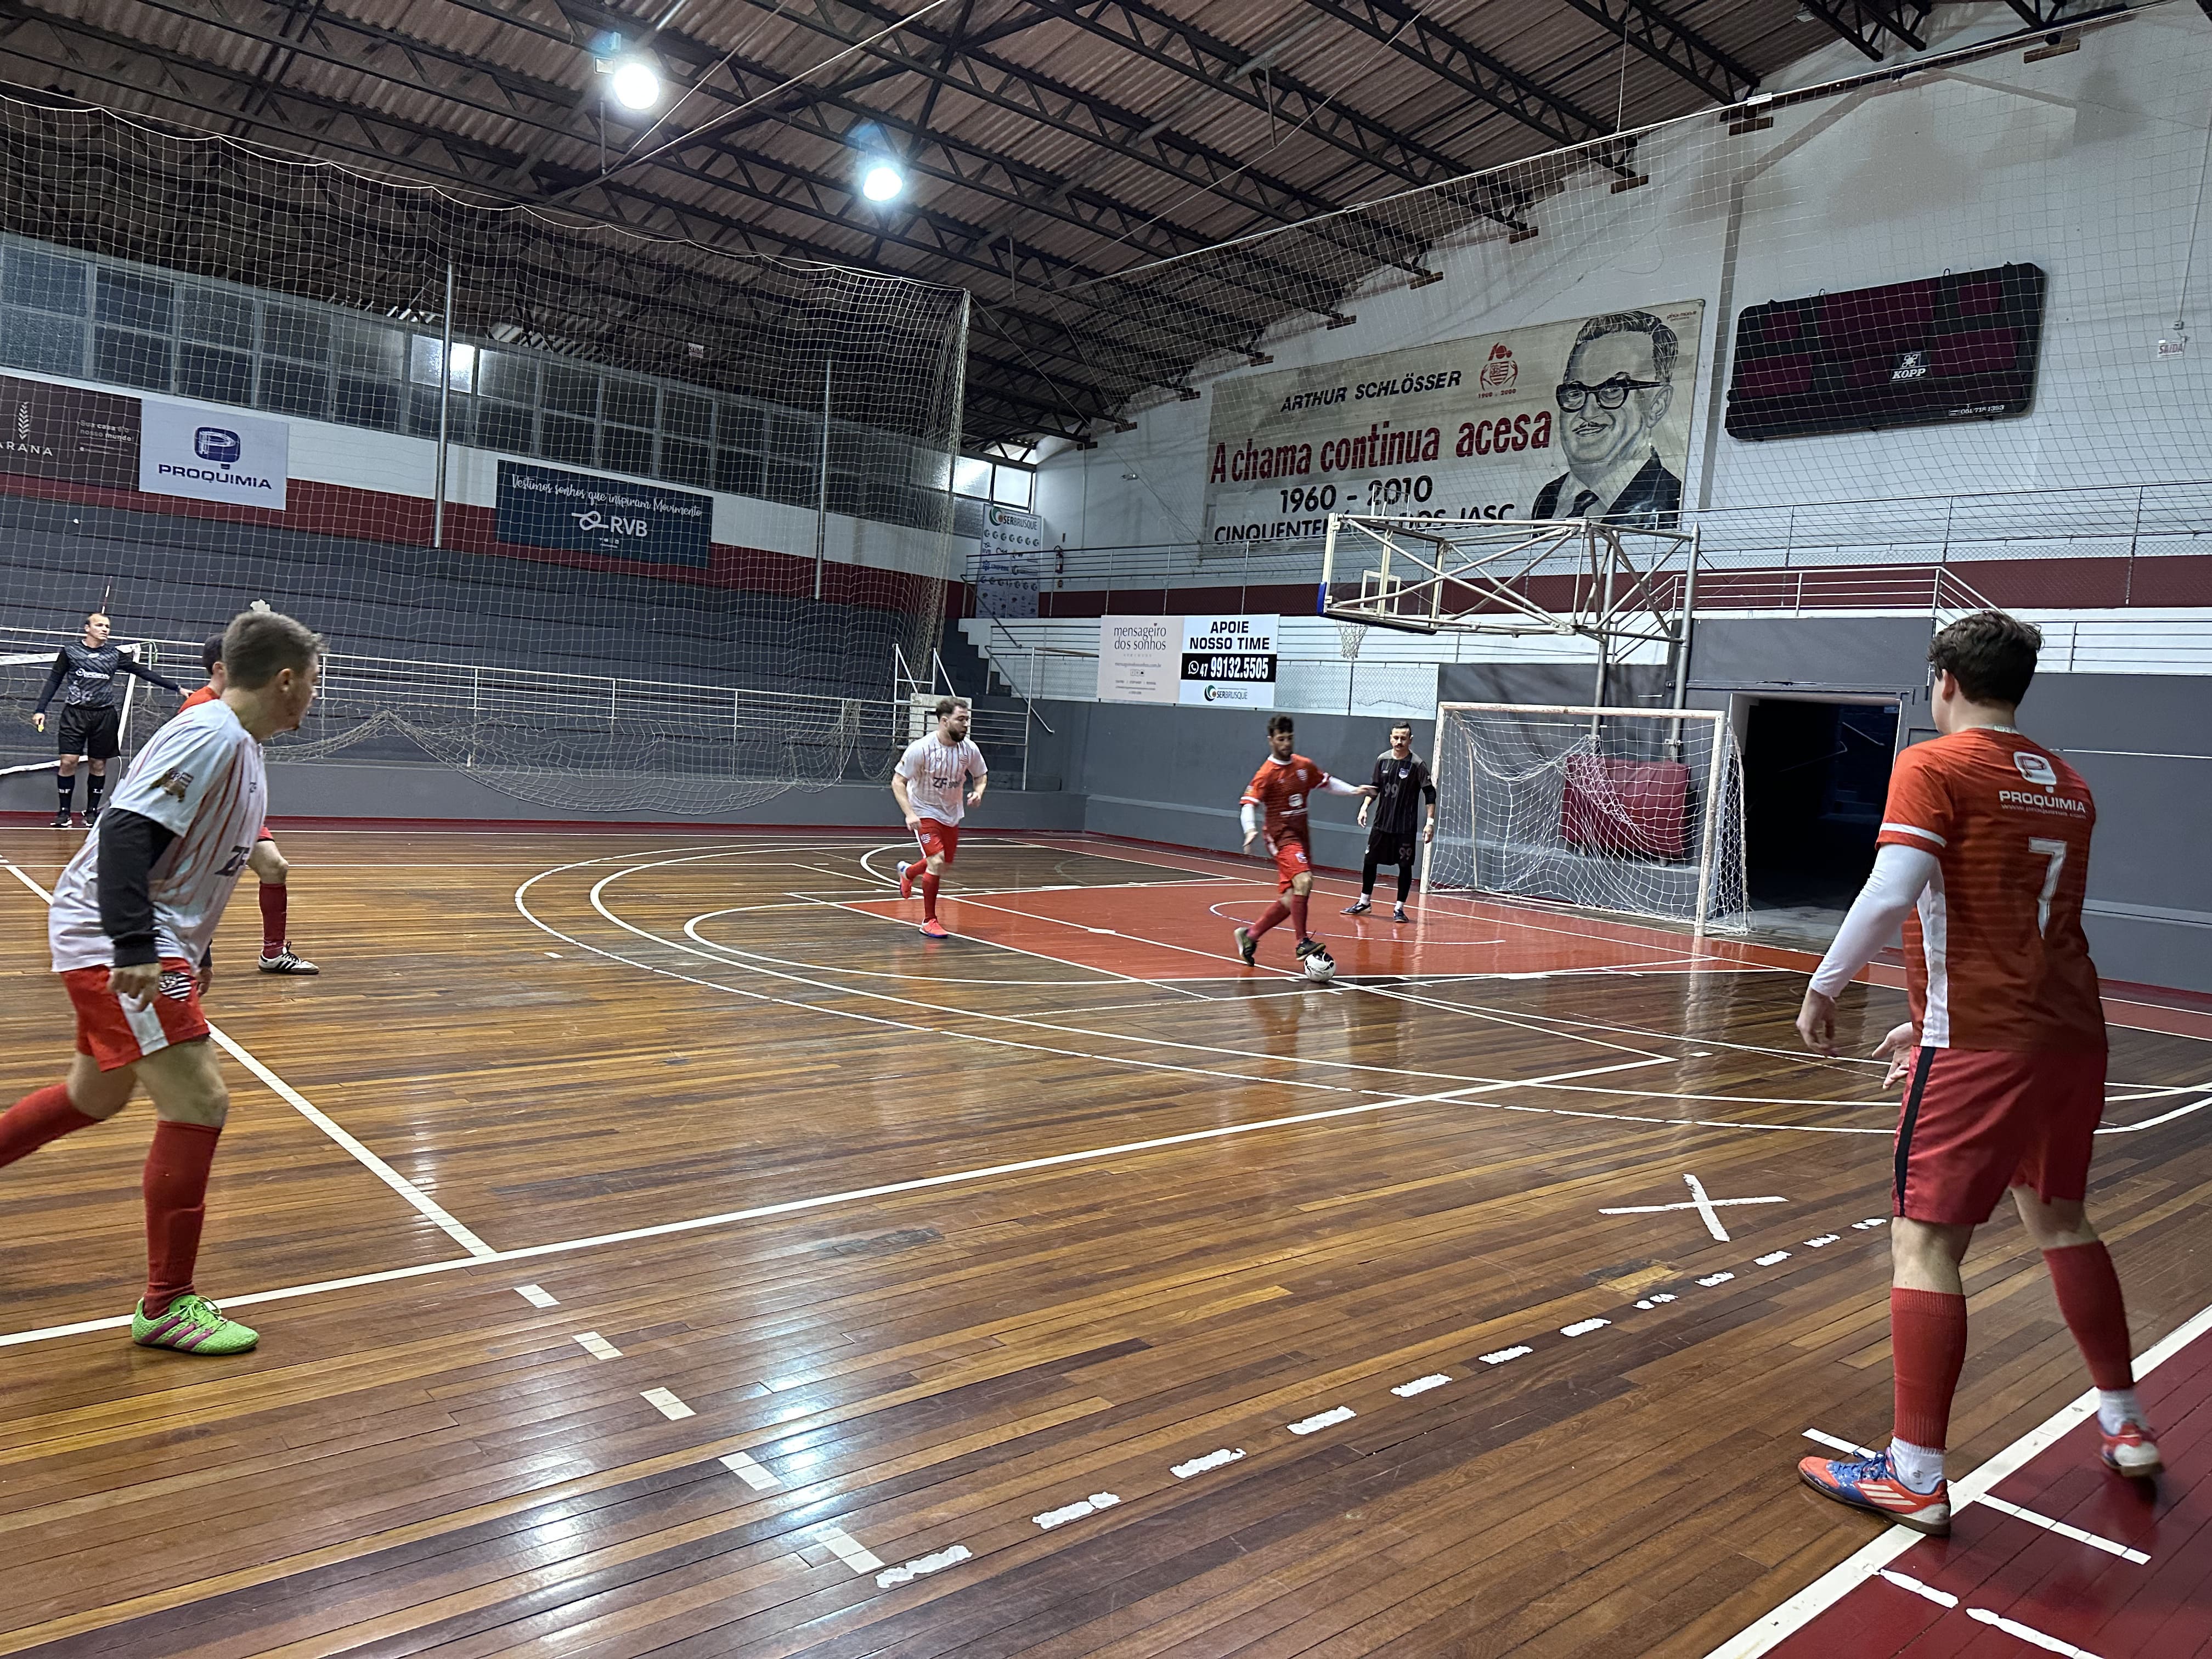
{"x": 1290, "y": 862}
{"x": 115, "y": 1033}
{"x": 937, "y": 840}
{"x": 1978, "y": 1121}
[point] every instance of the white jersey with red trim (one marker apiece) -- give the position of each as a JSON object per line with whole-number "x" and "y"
{"x": 936, "y": 775}
{"x": 200, "y": 777}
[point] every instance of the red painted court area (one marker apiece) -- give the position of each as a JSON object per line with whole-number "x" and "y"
{"x": 2008, "y": 1583}
{"x": 1183, "y": 929}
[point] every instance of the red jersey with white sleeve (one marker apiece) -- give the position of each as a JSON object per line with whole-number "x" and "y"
{"x": 1281, "y": 789}
{"x": 201, "y": 778}
{"x": 937, "y": 773}
{"x": 1995, "y": 956}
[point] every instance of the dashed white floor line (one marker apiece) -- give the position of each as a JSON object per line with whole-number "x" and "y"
{"x": 1212, "y": 1460}
{"x": 665, "y": 1402}
{"x": 2063, "y": 1530}
{"x": 596, "y": 1346}
{"x": 1584, "y": 1327}
{"x": 1077, "y": 1510}
{"x": 2029, "y": 1634}
{"x": 850, "y": 1550}
{"x": 1906, "y": 1582}
{"x": 1420, "y": 1385}
{"x": 907, "y": 1572}
{"x": 753, "y": 1473}
{"x": 537, "y": 1296}
{"x": 1320, "y": 1420}
{"x": 1503, "y": 1355}
{"x": 1822, "y": 1242}
{"x": 1772, "y": 1257}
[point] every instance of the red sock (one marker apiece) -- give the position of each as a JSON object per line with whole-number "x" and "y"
{"x": 176, "y": 1186}
{"x": 2089, "y": 1296}
{"x": 1275, "y": 913}
{"x": 274, "y": 904}
{"x": 929, "y": 898}
{"x": 43, "y": 1116}
{"x": 1298, "y": 913}
{"x": 1928, "y": 1349}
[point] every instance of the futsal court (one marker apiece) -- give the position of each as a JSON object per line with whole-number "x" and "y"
{"x": 659, "y": 1247}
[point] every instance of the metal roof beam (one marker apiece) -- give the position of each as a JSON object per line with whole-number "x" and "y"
{"x": 1667, "y": 39}
{"x": 1864, "y": 22}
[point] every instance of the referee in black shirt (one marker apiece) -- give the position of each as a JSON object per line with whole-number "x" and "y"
{"x": 1401, "y": 784}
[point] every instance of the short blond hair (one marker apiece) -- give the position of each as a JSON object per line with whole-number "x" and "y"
{"x": 258, "y": 645}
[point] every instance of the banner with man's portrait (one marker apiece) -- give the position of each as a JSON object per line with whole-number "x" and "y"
{"x": 1584, "y": 418}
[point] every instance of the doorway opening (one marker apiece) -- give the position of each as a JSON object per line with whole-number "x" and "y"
{"x": 1815, "y": 774}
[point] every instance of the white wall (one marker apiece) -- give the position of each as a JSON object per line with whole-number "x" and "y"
{"x": 2089, "y": 165}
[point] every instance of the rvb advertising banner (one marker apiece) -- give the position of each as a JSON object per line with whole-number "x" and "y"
{"x": 1225, "y": 661}
{"x": 1584, "y": 418}
{"x": 578, "y": 513}
{"x": 1010, "y": 564}
{"x": 64, "y": 431}
{"x": 1229, "y": 661}
{"x": 213, "y": 455}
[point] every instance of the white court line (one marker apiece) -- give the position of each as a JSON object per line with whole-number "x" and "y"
{"x": 2063, "y": 1530}
{"x": 2029, "y": 1634}
{"x": 750, "y": 962}
{"x": 423, "y": 1202}
{"x": 1849, "y": 1448}
{"x": 1906, "y": 1582}
{"x": 1764, "y": 1635}
{"x": 849, "y": 1551}
{"x": 664, "y": 1401}
{"x": 791, "y": 1206}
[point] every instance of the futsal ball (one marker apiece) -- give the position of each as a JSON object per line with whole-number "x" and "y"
{"x": 1321, "y": 967}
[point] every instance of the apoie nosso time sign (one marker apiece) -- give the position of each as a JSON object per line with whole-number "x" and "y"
{"x": 1229, "y": 661}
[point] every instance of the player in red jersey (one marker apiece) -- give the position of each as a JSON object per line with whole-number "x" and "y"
{"x": 1983, "y": 856}
{"x": 268, "y": 863}
{"x": 131, "y": 916}
{"x": 1274, "y": 804}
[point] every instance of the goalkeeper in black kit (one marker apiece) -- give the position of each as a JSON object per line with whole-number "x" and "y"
{"x": 1401, "y": 786}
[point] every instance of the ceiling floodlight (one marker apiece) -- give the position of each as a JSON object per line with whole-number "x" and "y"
{"x": 882, "y": 181}
{"x": 637, "y": 84}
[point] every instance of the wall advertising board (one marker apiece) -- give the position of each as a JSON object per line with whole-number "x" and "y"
{"x": 64, "y": 431}
{"x": 1587, "y": 418}
{"x": 581, "y": 513}
{"x": 213, "y": 455}
{"x": 1230, "y": 661}
{"x": 1139, "y": 658}
{"x": 1010, "y": 563}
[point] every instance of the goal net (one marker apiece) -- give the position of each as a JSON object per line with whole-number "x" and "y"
{"x": 613, "y": 519}
{"x": 1634, "y": 811}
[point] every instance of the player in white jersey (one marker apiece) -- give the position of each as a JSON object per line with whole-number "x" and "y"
{"x": 131, "y": 919}
{"x": 931, "y": 786}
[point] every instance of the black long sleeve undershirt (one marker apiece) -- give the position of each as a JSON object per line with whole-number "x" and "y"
{"x": 130, "y": 846}
{"x": 131, "y": 666}
{"x": 60, "y": 672}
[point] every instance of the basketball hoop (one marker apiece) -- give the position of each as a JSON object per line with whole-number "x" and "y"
{"x": 1350, "y": 637}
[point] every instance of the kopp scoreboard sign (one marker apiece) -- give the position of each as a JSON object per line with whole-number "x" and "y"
{"x": 578, "y": 513}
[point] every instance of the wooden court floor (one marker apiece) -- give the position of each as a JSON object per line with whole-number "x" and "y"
{"x": 660, "y": 1249}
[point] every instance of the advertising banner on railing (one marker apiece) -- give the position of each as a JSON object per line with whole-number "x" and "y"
{"x": 214, "y": 455}
{"x": 1585, "y": 418}
{"x": 65, "y": 432}
{"x": 1203, "y": 659}
{"x": 581, "y": 513}
{"x": 1009, "y": 565}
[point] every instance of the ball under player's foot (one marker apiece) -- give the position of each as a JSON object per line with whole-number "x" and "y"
{"x": 190, "y": 1324}
{"x": 935, "y": 929}
{"x": 1359, "y": 906}
{"x": 1874, "y": 1485}
{"x": 906, "y": 881}
{"x": 1307, "y": 946}
{"x": 287, "y": 961}
{"x": 1248, "y": 947}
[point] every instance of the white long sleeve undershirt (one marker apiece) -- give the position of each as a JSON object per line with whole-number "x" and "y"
{"x": 1892, "y": 889}
{"x": 1250, "y": 815}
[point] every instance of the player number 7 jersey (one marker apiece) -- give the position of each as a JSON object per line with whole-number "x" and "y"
{"x": 1995, "y": 956}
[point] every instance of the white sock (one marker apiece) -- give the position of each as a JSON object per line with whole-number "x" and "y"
{"x": 2117, "y": 1408}
{"x": 1920, "y": 1467}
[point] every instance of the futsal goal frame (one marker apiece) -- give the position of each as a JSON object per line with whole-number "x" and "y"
{"x": 1721, "y": 747}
